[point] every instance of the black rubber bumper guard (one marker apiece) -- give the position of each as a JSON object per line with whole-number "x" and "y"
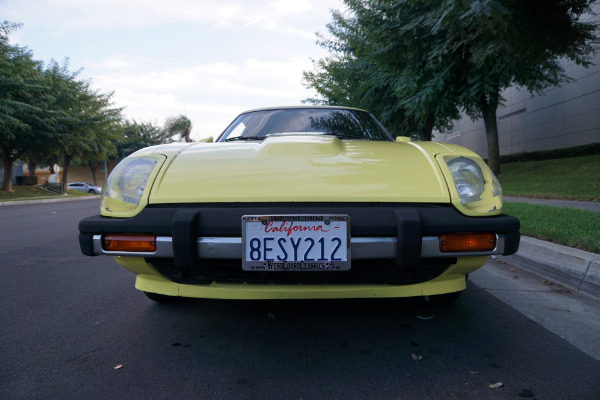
{"x": 407, "y": 224}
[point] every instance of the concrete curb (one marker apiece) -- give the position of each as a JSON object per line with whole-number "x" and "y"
{"x": 51, "y": 200}
{"x": 578, "y": 269}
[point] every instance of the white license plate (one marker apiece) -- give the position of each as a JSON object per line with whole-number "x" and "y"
{"x": 295, "y": 243}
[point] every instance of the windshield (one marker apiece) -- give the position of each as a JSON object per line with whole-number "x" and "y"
{"x": 343, "y": 123}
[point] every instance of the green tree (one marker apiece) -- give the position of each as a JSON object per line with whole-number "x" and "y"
{"x": 91, "y": 140}
{"x": 448, "y": 55}
{"x": 46, "y": 112}
{"x": 346, "y": 81}
{"x": 375, "y": 72}
{"x": 101, "y": 146}
{"x": 180, "y": 126}
{"x": 137, "y": 135}
{"x": 86, "y": 123}
{"x": 500, "y": 43}
{"x": 23, "y": 97}
{"x": 34, "y": 157}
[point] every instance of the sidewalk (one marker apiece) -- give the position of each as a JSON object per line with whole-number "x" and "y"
{"x": 582, "y": 205}
{"x": 578, "y": 269}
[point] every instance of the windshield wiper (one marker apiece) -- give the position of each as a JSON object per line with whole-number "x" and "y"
{"x": 244, "y": 138}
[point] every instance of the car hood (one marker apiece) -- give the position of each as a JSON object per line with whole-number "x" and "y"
{"x": 301, "y": 169}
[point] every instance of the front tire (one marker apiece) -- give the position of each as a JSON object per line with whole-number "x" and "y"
{"x": 162, "y": 298}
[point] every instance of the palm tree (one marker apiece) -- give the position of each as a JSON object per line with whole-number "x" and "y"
{"x": 180, "y": 125}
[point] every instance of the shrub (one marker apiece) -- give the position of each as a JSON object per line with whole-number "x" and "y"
{"x": 27, "y": 180}
{"x": 567, "y": 152}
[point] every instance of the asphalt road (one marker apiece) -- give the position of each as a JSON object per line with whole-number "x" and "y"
{"x": 66, "y": 322}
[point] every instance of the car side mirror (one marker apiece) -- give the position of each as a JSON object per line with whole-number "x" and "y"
{"x": 402, "y": 139}
{"x": 206, "y": 140}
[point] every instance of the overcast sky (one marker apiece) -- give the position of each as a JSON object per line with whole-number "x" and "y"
{"x": 207, "y": 59}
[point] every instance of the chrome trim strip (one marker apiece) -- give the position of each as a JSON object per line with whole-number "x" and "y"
{"x": 220, "y": 248}
{"x": 365, "y": 248}
{"x": 217, "y": 248}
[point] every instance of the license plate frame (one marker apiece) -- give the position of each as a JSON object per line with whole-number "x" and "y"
{"x": 322, "y": 242}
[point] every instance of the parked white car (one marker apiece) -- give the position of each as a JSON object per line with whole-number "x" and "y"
{"x": 84, "y": 187}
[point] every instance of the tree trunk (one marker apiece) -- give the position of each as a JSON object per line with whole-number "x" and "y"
{"x": 66, "y": 163}
{"x": 31, "y": 166}
{"x": 7, "y": 176}
{"x": 488, "y": 110}
{"x": 93, "y": 168}
{"x": 426, "y": 129}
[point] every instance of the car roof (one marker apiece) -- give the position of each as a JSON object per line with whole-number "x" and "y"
{"x": 309, "y": 107}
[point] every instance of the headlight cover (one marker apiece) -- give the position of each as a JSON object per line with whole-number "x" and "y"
{"x": 496, "y": 187}
{"x": 476, "y": 190}
{"x": 468, "y": 179}
{"x": 126, "y": 184}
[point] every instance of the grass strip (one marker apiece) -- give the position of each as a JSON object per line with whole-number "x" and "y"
{"x": 567, "y": 179}
{"x": 566, "y": 226}
{"x": 35, "y": 192}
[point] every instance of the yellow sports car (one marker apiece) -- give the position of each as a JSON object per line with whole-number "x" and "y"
{"x": 301, "y": 203}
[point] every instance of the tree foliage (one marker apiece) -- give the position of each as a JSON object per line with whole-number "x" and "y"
{"x": 438, "y": 57}
{"x": 137, "y": 135}
{"x": 86, "y": 121}
{"x": 385, "y": 74}
{"x": 49, "y": 115}
{"x": 180, "y": 126}
{"x": 345, "y": 81}
{"x": 500, "y": 43}
{"x": 23, "y": 99}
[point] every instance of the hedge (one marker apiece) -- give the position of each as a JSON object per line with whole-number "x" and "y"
{"x": 27, "y": 180}
{"x": 567, "y": 152}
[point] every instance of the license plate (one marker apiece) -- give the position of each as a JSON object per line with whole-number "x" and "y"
{"x": 295, "y": 243}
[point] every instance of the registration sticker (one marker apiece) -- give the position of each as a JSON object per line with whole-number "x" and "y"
{"x": 295, "y": 243}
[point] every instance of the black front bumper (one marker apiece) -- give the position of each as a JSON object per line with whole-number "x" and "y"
{"x": 407, "y": 223}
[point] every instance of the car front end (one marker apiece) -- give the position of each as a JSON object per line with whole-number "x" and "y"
{"x": 301, "y": 214}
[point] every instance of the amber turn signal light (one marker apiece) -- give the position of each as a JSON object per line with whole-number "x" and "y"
{"x": 456, "y": 242}
{"x": 132, "y": 242}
